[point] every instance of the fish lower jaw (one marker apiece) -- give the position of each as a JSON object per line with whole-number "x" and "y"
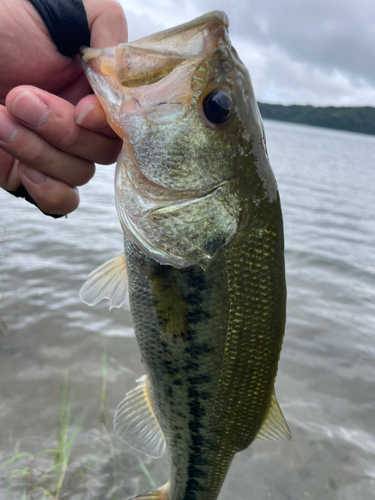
{"x": 157, "y": 194}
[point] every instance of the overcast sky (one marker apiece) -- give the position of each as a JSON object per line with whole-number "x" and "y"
{"x": 319, "y": 52}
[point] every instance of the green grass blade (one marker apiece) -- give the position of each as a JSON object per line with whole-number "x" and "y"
{"x": 9, "y": 489}
{"x": 14, "y": 459}
{"x": 146, "y": 472}
{"x": 21, "y": 472}
{"x": 103, "y": 393}
{"x": 44, "y": 452}
{"x": 46, "y": 492}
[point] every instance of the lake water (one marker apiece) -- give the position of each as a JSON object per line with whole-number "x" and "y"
{"x": 326, "y": 380}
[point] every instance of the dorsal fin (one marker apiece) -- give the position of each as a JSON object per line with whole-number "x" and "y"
{"x": 136, "y": 424}
{"x": 274, "y": 427}
{"x": 109, "y": 281}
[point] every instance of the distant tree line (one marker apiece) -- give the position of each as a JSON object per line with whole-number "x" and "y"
{"x": 354, "y": 119}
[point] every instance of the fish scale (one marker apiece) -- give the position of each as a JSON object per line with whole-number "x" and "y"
{"x": 190, "y": 405}
{"x": 255, "y": 327}
{"x": 213, "y": 428}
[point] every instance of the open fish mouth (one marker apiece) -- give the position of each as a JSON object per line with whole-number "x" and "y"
{"x": 193, "y": 39}
{"x": 122, "y": 76}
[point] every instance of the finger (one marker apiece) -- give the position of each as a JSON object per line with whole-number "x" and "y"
{"x": 31, "y": 149}
{"x": 107, "y": 23}
{"x": 9, "y": 178}
{"x": 53, "y": 119}
{"x": 90, "y": 114}
{"x": 51, "y": 195}
{"x": 76, "y": 90}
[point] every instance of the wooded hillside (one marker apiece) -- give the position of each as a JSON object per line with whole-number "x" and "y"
{"x": 354, "y": 119}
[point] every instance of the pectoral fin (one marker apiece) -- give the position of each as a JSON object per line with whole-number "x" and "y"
{"x": 109, "y": 281}
{"x": 135, "y": 422}
{"x": 274, "y": 427}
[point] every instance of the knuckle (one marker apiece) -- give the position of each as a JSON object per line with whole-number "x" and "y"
{"x": 116, "y": 10}
{"x": 66, "y": 137}
{"x": 37, "y": 152}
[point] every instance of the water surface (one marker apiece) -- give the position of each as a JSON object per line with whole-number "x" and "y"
{"x": 326, "y": 380}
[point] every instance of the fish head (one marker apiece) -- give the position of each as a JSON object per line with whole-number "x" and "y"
{"x": 194, "y": 160}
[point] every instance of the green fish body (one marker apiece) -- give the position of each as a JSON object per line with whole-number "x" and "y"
{"x": 204, "y": 251}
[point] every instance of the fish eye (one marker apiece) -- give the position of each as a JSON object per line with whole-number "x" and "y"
{"x": 218, "y": 106}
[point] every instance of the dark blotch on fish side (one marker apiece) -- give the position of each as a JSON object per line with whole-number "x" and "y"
{"x": 199, "y": 379}
{"x": 168, "y": 367}
{"x": 205, "y": 395}
{"x": 192, "y": 365}
{"x": 194, "y": 484}
{"x": 193, "y": 298}
{"x": 197, "y": 349}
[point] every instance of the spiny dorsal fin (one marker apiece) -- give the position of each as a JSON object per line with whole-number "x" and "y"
{"x": 275, "y": 426}
{"x": 136, "y": 424}
{"x": 109, "y": 281}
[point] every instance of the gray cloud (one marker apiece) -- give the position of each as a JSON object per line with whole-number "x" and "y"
{"x": 326, "y": 34}
{"x": 317, "y": 51}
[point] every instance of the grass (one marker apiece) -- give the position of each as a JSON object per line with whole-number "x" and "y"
{"x": 146, "y": 473}
{"x": 41, "y": 483}
{"x": 103, "y": 393}
{"x": 57, "y": 472}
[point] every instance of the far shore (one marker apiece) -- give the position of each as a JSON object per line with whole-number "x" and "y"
{"x": 353, "y": 119}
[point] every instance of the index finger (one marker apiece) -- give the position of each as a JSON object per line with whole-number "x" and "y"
{"x": 107, "y": 23}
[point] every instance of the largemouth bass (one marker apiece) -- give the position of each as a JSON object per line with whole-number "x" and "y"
{"x": 204, "y": 251}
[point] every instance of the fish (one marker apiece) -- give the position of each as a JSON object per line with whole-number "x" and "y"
{"x": 203, "y": 259}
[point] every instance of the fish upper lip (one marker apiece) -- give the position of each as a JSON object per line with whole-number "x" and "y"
{"x": 160, "y": 39}
{"x": 159, "y": 52}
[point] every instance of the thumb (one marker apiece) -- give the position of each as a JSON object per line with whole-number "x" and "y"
{"x": 107, "y": 23}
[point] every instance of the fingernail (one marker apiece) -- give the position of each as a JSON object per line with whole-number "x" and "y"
{"x": 8, "y": 129}
{"x": 81, "y": 115}
{"x": 29, "y": 108}
{"x": 91, "y": 117}
{"x": 34, "y": 176}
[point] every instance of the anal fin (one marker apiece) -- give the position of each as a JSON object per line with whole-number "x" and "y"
{"x": 135, "y": 422}
{"x": 109, "y": 281}
{"x": 274, "y": 427}
{"x": 159, "y": 494}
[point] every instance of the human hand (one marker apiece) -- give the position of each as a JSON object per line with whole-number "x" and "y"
{"x": 41, "y": 145}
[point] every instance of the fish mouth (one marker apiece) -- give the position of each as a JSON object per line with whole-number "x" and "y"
{"x": 135, "y": 64}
